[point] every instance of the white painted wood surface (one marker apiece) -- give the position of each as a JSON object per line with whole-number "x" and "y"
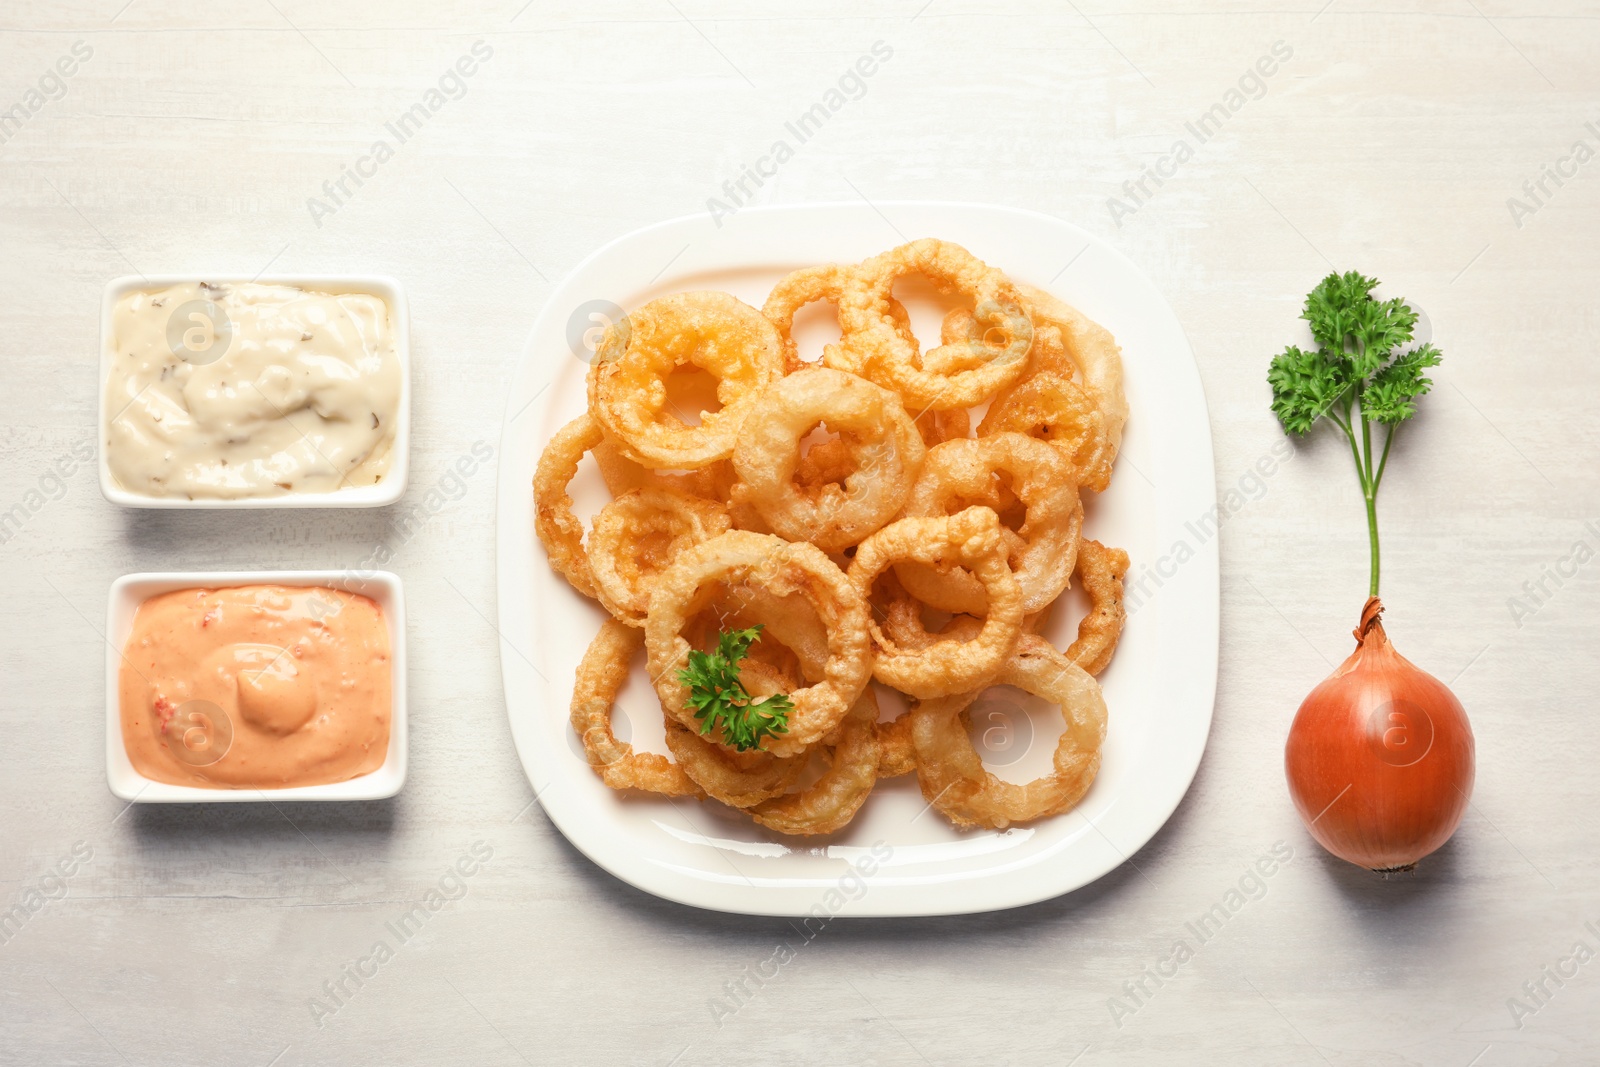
{"x": 1389, "y": 141}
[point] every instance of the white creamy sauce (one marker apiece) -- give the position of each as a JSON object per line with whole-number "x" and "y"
{"x": 247, "y": 390}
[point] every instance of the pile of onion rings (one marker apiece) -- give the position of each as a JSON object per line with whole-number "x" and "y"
{"x": 884, "y": 517}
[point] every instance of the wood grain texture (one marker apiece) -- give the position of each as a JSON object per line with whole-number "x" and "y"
{"x": 1390, "y": 141}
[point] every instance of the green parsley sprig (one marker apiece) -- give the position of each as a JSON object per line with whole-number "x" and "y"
{"x": 1363, "y": 371}
{"x": 720, "y": 699}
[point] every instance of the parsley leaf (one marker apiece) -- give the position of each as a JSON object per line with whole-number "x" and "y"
{"x": 1304, "y": 386}
{"x": 1350, "y": 324}
{"x": 719, "y": 699}
{"x": 1391, "y": 395}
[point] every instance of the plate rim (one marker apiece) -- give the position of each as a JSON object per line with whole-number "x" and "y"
{"x": 767, "y": 901}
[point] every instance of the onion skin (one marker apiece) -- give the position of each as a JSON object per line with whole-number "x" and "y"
{"x": 1380, "y": 756}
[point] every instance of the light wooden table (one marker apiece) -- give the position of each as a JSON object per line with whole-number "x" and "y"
{"x": 1389, "y": 139}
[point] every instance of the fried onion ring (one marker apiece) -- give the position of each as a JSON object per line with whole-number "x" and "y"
{"x": 1052, "y": 408}
{"x": 970, "y": 539}
{"x": 808, "y": 285}
{"x": 1100, "y": 573}
{"x": 884, "y": 443}
{"x": 956, "y": 375}
{"x": 780, "y": 567}
{"x": 622, "y": 474}
{"x": 833, "y": 800}
{"x": 636, "y": 536}
{"x": 1093, "y": 351}
{"x": 558, "y": 528}
{"x": 952, "y": 776}
{"x": 732, "y": 341}
{"x": 601, "y": 673}
{"x": 738, "y": 779}
{"x": 1041, "y": 552}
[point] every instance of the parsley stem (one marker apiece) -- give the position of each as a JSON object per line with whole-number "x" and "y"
{"x": 1366, "y": 447}
{"x": 1372, "y": 533}
{"x": 1369, "y": 481}
{"x": 1369, "y": 487}
{"x": 1383, "y": 461}
{"x": 1355, "y": 450}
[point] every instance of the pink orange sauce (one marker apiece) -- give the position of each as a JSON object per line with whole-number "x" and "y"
{"x": 256, "y": 687}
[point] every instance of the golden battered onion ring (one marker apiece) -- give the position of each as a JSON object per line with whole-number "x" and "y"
{"x": 636, "y": 536}
{"x": 767, "y": 455}
{"x": 958, "y": 375}
{"x": 622, "y": 474}
{"x": 970, "y": 539}
{"x": 601, "y": 674}
{"x": 1092, "y": 350}
{"x": 806, "y": 286}
{"x": 738, "y": 779}
{"x": 952, "y": 776}
{"x": 558, "y": 528}
{"x": 1052, "y": 408}
{"x": 1047, "y": 353}
{"x": 832, "y": 800}
{"x": 780, "y": 567}
{"x": 1100, "y": 573}
{"x": 1041, "y": 553}
{"x": 732, "y": 341}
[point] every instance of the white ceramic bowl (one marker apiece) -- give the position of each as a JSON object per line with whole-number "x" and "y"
{"x": 380, "y": 493}
{"x": 131, "y": 590}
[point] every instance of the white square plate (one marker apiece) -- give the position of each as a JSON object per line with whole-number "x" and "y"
{"x": 896, "y": 858}
{"x": 131, "y": 590}
{"x": 385, "y": 491}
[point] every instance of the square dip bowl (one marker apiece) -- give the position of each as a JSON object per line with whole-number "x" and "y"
{"x": 383, "y": 492}
{"x": 132, "y": 590}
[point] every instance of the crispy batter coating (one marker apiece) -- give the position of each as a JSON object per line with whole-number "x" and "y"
{"x": 635, "y": 538}
{"x": 952, "y": 776}
{"x": 1040, "y": 552}
{"x": 1100, "y": 571}
{"x": 833, "y": 799}
{"x": 1051, "y": 408}
{"x": 600, "y": 677}
{"x": 558, "y": 528}
{"x": 1093, "y": 351}
{"x": 970, "y": 539}
{"x": 957, "y": 375}
{"x": 731, "y": 340}
{"x": 884, "y": 447}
